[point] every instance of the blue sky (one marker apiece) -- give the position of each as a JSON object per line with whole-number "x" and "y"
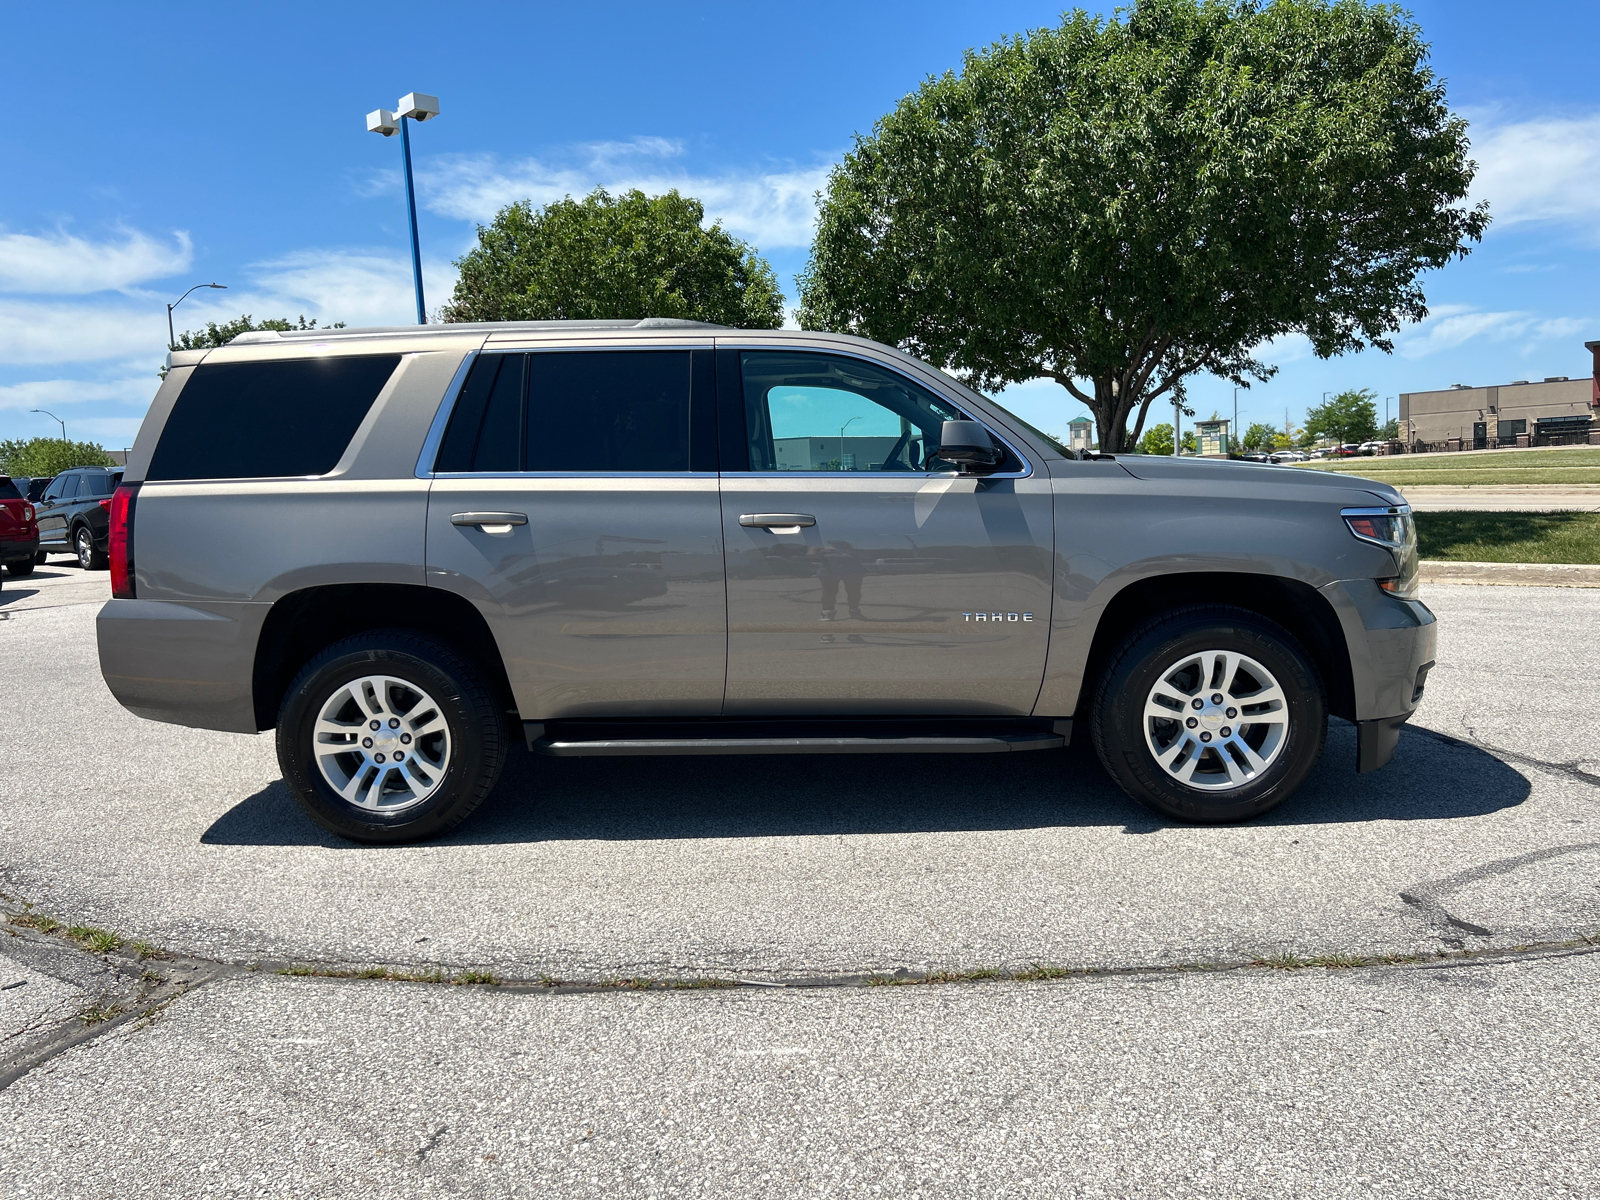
{"x": 148, "y": 147}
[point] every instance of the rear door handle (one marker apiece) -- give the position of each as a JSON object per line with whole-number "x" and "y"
{"x": 490, "y": 522}
{"x": 777, "y": 520}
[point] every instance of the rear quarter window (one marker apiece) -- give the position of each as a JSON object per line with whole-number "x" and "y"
{"x": 264, "y": 419}
{"x": 8, "y": 490}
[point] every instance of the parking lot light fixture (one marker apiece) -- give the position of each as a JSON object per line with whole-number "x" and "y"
{"x": 413, "y": 106}
{"x": 172, "y": 341}
{"x": 54, "y": 418}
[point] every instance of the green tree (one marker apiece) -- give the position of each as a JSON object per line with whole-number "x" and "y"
{"x": 1118, "y": 204}
{"x": 220, "y": 335}
{"x": 613, "y": 257}
{"x": 1390, "y": 430}
{"x": 1259, "y": 436}
{"x": 1190, "y": 446}
{"x": 49, "y": 456}
{"x": 1156, "y": 440}
{"x": 1350, "y": 416}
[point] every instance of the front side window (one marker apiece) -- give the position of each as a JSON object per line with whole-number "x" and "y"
{"x": 824, "y": 412}
{"x": 589, "y": 411}
{"x": 69, "y": 487}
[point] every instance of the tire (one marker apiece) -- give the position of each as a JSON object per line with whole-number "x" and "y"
{"x": 89, "y": 558}
{"x": 1248, "y": 770}
{"x": 39, "y": 558}
{"x": 21, "y": 566}
{"x": 447, "y": 770}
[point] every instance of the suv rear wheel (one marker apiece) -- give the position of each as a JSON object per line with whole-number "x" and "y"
{"x": 89, "y": 558}
{"x": 1210, "y": 714}
{"x": 20, "y": 566}
{"x": 390, "y": 737}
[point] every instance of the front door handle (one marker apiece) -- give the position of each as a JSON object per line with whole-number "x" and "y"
{"x": 777, "y": 520}
{"x": 490, "y": 522}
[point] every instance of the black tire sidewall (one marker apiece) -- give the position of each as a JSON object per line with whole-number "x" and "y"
{"x": 1119, "y": 717}
{"x": 477, "y": 748}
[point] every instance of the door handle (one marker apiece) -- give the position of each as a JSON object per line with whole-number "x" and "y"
{"x": 490, "y": 522}
{"x": 777, "y": 520}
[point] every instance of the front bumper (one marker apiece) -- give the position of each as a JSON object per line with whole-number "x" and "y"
{"x": 1392, "y": 645}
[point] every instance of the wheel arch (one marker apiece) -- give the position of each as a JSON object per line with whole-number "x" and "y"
{"x": 1297, "y": 606}
{"x": 305, "y": 622}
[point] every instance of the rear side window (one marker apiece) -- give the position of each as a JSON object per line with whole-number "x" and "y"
{"x": 265, "y": 419}
{"x": 623, "y": 411}
{"x": 95, "y": 483}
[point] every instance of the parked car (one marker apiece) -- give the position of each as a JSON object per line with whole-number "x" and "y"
{"x": 74, "y": 515}
{"x": 1370, "y": 447}
{"x": 31, "y": 488}
{"x": 19, "y": 532}
{"x": 396, "y": 547}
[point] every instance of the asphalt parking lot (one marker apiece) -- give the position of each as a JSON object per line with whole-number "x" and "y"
{"x": 1450, "y": 1077}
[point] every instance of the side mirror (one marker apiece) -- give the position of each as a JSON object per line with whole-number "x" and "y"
{"x": 968, "y": 445}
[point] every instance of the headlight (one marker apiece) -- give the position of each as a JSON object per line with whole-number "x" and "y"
{"x": 1395, "y": 529}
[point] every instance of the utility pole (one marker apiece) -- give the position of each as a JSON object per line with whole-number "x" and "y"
{"x": 1233, "y": 430}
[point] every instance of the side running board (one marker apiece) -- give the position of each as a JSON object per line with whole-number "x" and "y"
{"x": 572, "y": 740}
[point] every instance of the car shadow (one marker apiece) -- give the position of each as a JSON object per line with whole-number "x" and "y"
{"x": 643, "y": 799}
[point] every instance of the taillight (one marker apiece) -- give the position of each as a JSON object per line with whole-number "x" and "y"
{"x": 120, "y": 540}
{"x": 27, "y": 514}
{"x": 105, "y": 506}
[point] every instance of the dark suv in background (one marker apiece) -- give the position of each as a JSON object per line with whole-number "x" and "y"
{"x": 74, "y": 515}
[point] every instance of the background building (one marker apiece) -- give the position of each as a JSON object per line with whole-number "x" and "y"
{"x": 1080, "y": 434}
{"x": 1503, "y": 412}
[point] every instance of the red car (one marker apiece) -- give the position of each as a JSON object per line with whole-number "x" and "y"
{"x": 19, "y": 532}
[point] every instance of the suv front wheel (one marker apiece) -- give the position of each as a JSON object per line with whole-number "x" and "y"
{"x": 1210, "y": 714}
{"x": 390, "y": 737}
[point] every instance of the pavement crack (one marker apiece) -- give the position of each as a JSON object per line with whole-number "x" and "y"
{"x": 1426, "y": 896}
{"x": 1569, "y": 769}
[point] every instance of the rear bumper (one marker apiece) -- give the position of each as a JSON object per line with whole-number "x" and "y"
{"x": 187, "y": 664}
{"x": 1392, "y": 646}
{"x": 12, "y": 549}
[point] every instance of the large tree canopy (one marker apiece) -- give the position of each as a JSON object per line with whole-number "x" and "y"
{"x": 1347, "y": 417}
{"x": 1120, "y": 204}
{"x": 603, "y": 257}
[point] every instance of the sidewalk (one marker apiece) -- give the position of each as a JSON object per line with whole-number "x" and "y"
{"x": 1525, "y": 574}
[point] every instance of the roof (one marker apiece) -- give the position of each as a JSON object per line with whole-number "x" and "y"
{"x": 256, "y": 336}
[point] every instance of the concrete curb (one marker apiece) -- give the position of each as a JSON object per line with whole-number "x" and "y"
{"x": 1516, "y": 574}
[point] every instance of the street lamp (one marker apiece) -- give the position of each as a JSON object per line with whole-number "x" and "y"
{"x": 54, "y": 418}
{"x": 842, "y": 428}
{"x": 172, "y": 340}
{"x": 417, "y": 107}
{"x": 1177, "y": 424}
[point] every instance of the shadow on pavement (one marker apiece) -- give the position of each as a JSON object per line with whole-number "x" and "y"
{"x": 629, "y": 799}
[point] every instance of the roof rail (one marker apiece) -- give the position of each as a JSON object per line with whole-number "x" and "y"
{"x": 256, "y": 336}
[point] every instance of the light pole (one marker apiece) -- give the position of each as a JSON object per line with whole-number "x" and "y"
{"x": 842, "y": 428}
{"x": 1233, "y": 430}
{"x": 416, "y": 107}
{"x": 172, "y": 340}
{"x": 54, "y": 418}
{"x": 1177, "y": 425}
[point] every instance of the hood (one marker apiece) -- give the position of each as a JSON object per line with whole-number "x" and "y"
{"x": 1245, "y": 476}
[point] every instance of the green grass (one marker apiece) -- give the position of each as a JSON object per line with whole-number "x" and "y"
{"x": 1573, "y": 464}
{"x": 1519, "y": 537}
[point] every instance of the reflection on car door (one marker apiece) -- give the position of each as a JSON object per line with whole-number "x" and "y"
{"x": 53, "y": 509}
{"x": 899, "y": 586}
{"x": 575, "y": 503}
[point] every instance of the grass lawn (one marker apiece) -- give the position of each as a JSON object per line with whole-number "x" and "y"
{"x": 1566, "y": 464}
{"x": 1521, "y": 537}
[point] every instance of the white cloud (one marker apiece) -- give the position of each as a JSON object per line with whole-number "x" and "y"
{"x": 771, "y": 209}
{"x": 61, "y": 264}
{"x": 358, "y": 287}
{"x": 62, "y": 331}
{"x": 1452, "y": 325}
{"x": 1546, "y": 169}
{"x": 62, "y": 393}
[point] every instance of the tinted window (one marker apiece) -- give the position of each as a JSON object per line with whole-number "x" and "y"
{"x": 8, "y": 490}
{"x": 95, "y": 483}
{"x": 257, "y": 420}
{"x": 485, "y": 430}
{"x": 821, "y": 412}
{"x": 66, "y": 487}
{"x": 605, "y": 410}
